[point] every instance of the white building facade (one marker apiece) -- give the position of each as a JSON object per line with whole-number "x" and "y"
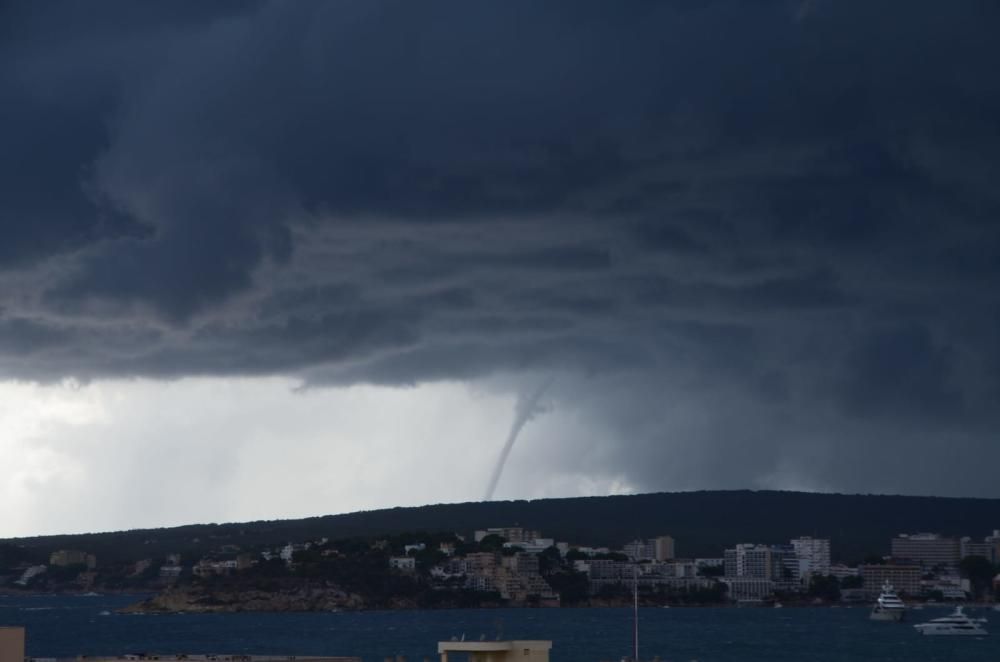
{"x": 812, "y": 555}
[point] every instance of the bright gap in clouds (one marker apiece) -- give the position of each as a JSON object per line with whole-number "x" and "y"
{"x": 135, "y": 454}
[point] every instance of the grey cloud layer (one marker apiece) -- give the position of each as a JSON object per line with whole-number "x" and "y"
{"x": 770, "y": 228}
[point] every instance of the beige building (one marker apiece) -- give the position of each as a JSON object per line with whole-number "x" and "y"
{"x": 928, "y": 549}
{"x": 11, "y": 644}
{"x": 904, "y": 578}
{"x": 480, "y": 562}
{"x": 520, "y": 587}
{"x": 497, "y": 651}
{"x": 663, "y": 548}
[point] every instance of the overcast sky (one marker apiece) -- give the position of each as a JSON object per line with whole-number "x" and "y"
{"x": 264, "y": 260}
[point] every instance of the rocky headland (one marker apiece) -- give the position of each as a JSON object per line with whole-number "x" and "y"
{"x": 200, "y": 599}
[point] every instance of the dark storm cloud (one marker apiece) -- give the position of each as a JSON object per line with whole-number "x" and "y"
{"x": 24, "y": 336}
{"x": 902, "y": 372}
{"x": 811, "y": 290}
{"x": 758, "y": 236}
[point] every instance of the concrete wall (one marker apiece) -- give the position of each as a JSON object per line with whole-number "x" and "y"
{"x": 496, "y": 651}
{"x": 11, "y": 644}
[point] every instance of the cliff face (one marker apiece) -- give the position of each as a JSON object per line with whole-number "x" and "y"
{"x": 201, "y": 599}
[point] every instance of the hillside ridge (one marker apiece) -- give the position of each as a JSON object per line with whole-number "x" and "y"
{"x": 702, "y": 522}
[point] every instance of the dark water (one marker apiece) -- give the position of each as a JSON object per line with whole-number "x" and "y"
{"x": 70, "y": 626}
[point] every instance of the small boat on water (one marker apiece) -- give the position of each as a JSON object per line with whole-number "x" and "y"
{"x": 888, "y": 607}
{"x": 955, "y": 624}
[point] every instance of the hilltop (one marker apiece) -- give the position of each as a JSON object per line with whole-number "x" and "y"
{"x": 703, "y": 523}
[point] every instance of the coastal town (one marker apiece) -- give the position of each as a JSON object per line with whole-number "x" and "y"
{"x": 517, "y": 566}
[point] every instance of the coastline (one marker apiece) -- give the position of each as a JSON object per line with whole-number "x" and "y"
{"x": 190, "y": 599}
{"x": 323, "y": 598}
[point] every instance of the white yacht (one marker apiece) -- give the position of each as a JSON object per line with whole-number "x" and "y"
{"x": 955, "y": 624}
{"x": 888, "y": 607}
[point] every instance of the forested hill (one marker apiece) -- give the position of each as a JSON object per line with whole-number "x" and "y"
{"x": 702, "y": 523}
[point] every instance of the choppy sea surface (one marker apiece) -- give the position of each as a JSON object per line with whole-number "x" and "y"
{"x": 67, "y": 626}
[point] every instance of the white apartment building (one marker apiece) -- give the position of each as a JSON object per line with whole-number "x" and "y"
{"x": 776, "y": 563}
{"x": 533, "y": 546}
{"x": 450, "y": 568}
{"x": 749, "y": 560}
{"x": 288, "y": 551}
{"x": 403, "y": 563}
{"x": 710, "y": 563}
{"x": 206, "y": 568}
{"x": 989, "y": 549}
{"x": 677, "y": 569}
{"x": 660, "y": 548}
{"x": 748, "y": 589}
{"x": 638, "y": 550}
{"x": 30, "y": 572}
{"x": 812, "y": 555}
{"x": 480, "y": 583}
{"x": 952, "y": 587}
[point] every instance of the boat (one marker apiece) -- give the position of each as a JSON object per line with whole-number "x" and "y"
{"x": 955, "y": 624}
{"x": 888, "y": 607}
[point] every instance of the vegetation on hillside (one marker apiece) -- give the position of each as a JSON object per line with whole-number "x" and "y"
{"x": 702, "y": 523}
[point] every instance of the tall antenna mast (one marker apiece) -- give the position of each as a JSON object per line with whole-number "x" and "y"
{"x": 635, "y": 613}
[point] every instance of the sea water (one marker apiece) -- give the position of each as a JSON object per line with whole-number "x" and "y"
{"x": 66, "y": 626}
